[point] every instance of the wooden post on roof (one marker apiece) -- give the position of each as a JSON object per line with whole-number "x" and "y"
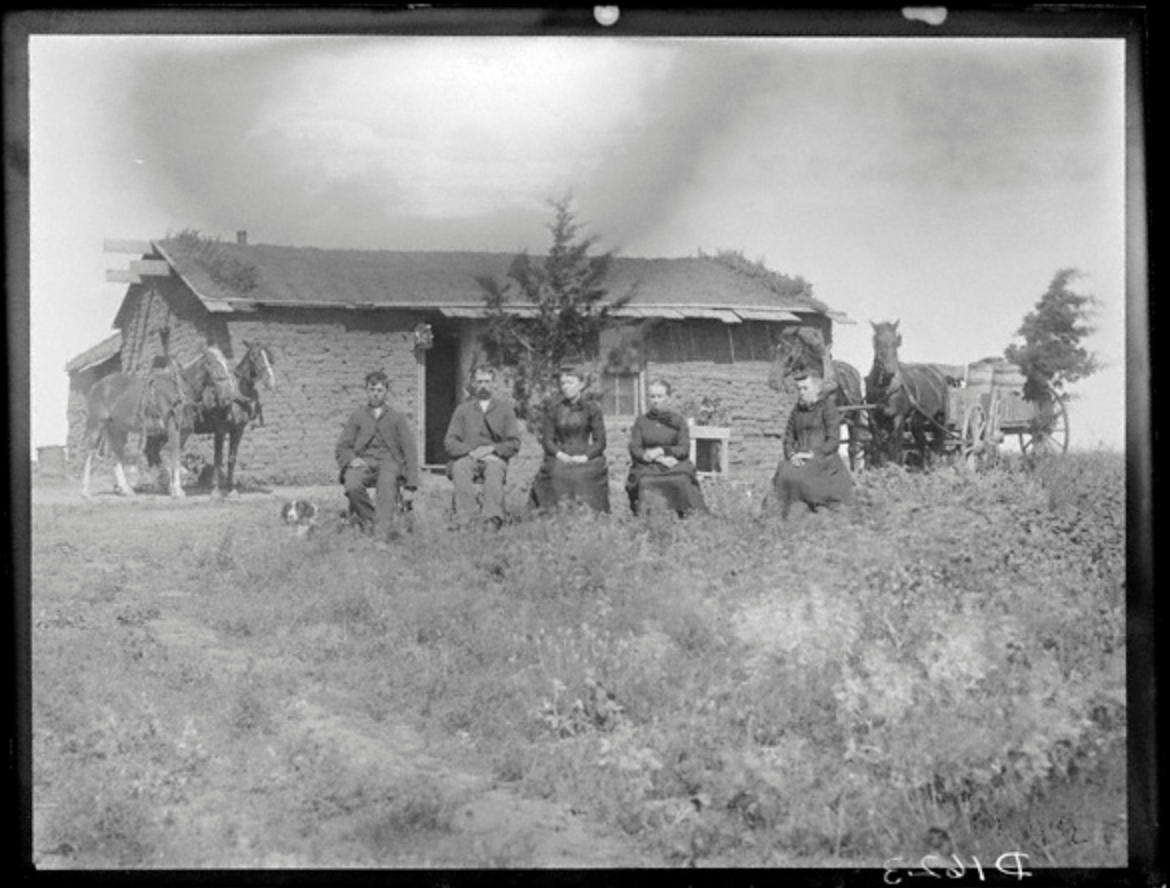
{"x": 121, "y": 276}
{"x": 139, "y": 268}
{"x": 150, "y": 266}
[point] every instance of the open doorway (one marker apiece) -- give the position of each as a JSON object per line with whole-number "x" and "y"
{"x": 442, "y": 392}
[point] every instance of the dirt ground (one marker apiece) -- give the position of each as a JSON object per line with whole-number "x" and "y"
{"x": 493, "y": 822}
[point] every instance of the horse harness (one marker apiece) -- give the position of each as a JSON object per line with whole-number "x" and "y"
{"x": 250, "y": 402}
{"x": 895, "y": 383}
{"x": 147, "y": 410}
{"x": 235, "y": 392}
{"x": 239, "y": 388}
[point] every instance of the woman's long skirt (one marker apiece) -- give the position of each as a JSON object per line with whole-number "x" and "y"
{"x": 558, "y": 482}
{"x": 822, "y": 481}
{"x": 677, "y": 488}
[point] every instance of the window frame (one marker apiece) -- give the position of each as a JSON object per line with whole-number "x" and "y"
{"x": 638, "y": 379}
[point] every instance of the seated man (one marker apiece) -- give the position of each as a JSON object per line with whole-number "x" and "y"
{"x": 377, "y": 448}
{"x": 812, "y": 471}
{"x": 482, "y": 436}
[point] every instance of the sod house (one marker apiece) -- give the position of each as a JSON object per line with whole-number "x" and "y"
{"x": 330, "y": 316}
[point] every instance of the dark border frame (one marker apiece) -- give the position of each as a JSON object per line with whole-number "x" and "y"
{"x": 1071, "y": 20}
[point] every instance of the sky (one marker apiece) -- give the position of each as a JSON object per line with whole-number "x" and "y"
{"x": 941, "y": 183}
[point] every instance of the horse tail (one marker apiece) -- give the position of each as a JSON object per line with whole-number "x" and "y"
{"x": 95, "y": 431}
{"x": 97, "y": 411}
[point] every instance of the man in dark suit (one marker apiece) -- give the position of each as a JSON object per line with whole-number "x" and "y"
{"x": 377, "y": 449}
{"x": 482, "y": 436}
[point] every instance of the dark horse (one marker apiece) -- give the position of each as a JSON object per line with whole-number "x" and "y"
{"x": 231, "y": 400}
{"x": 904, "y": 398}
{"x": 804, "y": 347}
{"x": 169, "y": 405}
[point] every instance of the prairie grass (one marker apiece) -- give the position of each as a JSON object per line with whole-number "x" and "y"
{"x": 939, "y": 667}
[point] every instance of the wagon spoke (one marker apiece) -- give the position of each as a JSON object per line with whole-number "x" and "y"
{"x": 1050, "y": 435}
{"x": 977, "y": 440}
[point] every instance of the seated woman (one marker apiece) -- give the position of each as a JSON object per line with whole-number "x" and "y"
{"x": 573, "y": 437}
{"x": 660, "y": 449}
{"x": 812, "y": 471}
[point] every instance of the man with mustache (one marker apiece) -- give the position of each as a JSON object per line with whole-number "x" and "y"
{"x": 482, "y": 436}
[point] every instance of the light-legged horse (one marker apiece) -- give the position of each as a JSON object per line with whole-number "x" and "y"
{"x": 157, "y": 406}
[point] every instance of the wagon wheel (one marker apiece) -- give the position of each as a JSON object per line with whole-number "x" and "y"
{"x": 1049, "y": 434}
{"x": 977, "y": 443}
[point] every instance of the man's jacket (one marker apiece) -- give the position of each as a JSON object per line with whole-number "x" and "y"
{"x": 471, "y": 427}
{"x": 378, "y": 440}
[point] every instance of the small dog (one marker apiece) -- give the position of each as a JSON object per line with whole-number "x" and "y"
{"x": 300, "y": 515}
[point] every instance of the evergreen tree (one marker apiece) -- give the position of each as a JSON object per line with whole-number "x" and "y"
{"x": 566, "y": 309}
{"x": 1052, "y": 354}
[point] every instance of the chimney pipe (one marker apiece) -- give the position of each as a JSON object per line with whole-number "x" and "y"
{"x": 242, "y": 238}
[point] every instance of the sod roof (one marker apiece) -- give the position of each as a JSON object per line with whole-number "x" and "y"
{"x": 241, "y": 277}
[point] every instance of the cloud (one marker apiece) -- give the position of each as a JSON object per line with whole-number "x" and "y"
{"x": 348, "y": 134}
{"x": 687, "y": 106}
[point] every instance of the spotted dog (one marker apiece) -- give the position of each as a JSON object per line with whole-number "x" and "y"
{"x": 300, "y": 515}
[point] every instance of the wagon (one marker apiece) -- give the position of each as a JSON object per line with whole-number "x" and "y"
{"x": 986, "y": 404}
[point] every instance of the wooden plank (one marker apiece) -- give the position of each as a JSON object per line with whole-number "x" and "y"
{"x": 150, "y": 266}
{"x": 121, "y": 276}
{"x": 113, "y": 245}
{"x": 459, "y": 312}
{"x": 659, "y": 311}
{"x": 718, "y": 314}
{"x": 630, "y": 311}
{"x": 766, "y": 314}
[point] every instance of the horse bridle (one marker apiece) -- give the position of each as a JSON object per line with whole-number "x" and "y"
{"x": 887, "y": 382}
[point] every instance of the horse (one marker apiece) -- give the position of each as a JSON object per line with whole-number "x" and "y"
{"x": 230, "y": 401}
{"x": 904, "y": 397}
{"x": 803, "y": 347}
{"x": 172, "y": 403}
{"x": 159, "y": 406}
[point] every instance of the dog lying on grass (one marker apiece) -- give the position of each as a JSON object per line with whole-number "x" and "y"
{"x": 301, "y": 516}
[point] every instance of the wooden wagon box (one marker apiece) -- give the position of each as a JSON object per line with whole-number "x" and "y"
{"x": 1014, "y": 410}
{"x": 959, "y": 401}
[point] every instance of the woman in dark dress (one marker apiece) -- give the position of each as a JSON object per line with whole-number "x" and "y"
{"x": 573, "y": 438}
{"x": 812, "y": 471}
{"x": 660, "y": 451}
